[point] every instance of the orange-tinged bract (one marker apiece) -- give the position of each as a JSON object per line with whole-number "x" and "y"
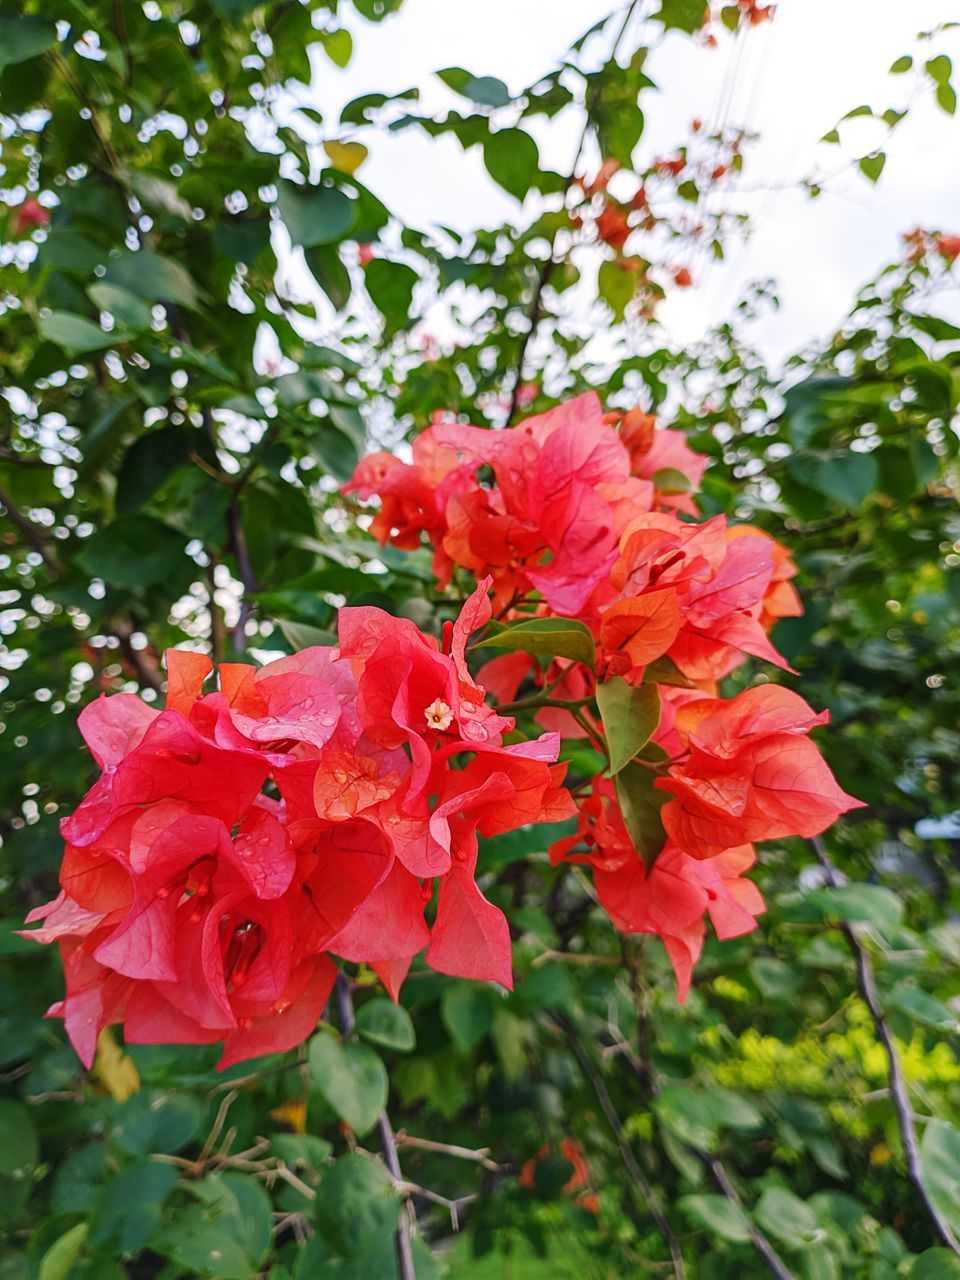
{"x": 591, "y": 515}
{"x": 195, "y": 908}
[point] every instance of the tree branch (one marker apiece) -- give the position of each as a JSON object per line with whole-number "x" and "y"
{"x": 534, "y": 309}
{"x": 343, "y": 991}
{"x": 898, "y": 1087}
{"x": 629, "y": 1159}
{"x": 32, "y": 533}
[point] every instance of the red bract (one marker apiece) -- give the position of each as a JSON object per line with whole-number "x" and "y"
{"x": 564, "y": 485}
{"x": 700, "y": 594}
{"x": 196, "y": 909}
{"x": 28, "y": 215}
{"x": 751, "y": 773}
{"x": 671, "y": 899}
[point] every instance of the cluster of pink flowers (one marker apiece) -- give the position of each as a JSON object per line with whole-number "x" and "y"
{"x": 577, "y": 513}
{"x": 237, "y": 840}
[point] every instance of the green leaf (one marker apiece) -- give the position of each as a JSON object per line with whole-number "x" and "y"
{"x": 946, "y": 97}
{"x": 302, "y": 1149}
{"x": 352, "y": 1079}
{"x": 150, "y": 461}
{"x": 315, "y": 215}
{"x": 391, "y": 285}
{"x": 922, "y": 1007}
{"x": 331, "y": 275}
{"x": 225, "y": 1234}
{"x": 671, "y": 481}
{"x": 872, "y": 166}
{"x": 127, "y": 309}
{"x": 940, "y": 1160}
{"x": 719, "y": 1215}
{"x": 681, "y": 15}
{"x": 640, "y": 804}
{"x": 545, "y": 637}
{"x": 153, "y": 277}
{"x": 467, "y": 1013}
{"x": 129, "y": 1208}
{"x": 901, "y": 65}
{"x": 936, "y": 1264}
{"x": 776, "y": 979}
{"x": 787, "y": 1217}
{"x": 23, "y": 38}
{"x": 386, "y": 1024}
{"x": 338, "y": 46}
{"x": 156, "y": 1122}
{"x": 79, "y": 1178}
{"x": 357, "y": 1211}
{"x": 134, "y": 551}
{"x": 157, "y": 194}
{"x": 63, "y": 1253}
{"x": 76, "y": 334}
{"x": 630, "y": 714}
{"x": 616, "y": 284}
{"x": 696, "y": 1116}
{"x": 486, "y": 90}
{"x": 19, "y": 1150}
{"x": 690, "y": 1115}
{"x": 234, "y": 10}
{"x": 861, "y": 903}
{"x": 939, "y": 69}
{"x": 512, "y": 160}
{"x": 846, "y": 477}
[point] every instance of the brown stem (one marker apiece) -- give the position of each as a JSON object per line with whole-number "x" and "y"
{"x": 343, "y": 991}
{"x": 636, "y": 1174}
{"x": 31, "y": 532}
{"x": 142, "y": 660}
{"x": 898, "y": 1087}
{"x": 534, "y": 308}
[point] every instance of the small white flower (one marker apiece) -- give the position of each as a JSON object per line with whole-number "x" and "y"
{"x": 438, "y": 715}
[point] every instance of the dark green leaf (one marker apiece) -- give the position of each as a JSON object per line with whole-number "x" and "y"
{"x": 640, "y": 803}
{"x": 630, "y": 714}
{"x": 512, "y": 160}
{"x": 315, "y": 215}
{"x": 545, "y": 637}
{"x": 24, "y": 37}
{"x": 134, "y": 551}
{"x": 386, "y": 1024}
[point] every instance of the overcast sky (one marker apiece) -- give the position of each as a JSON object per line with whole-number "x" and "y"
{"x": 791, "y": 80}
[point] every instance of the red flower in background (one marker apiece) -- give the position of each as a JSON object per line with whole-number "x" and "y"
{"x": 29, "y": 215}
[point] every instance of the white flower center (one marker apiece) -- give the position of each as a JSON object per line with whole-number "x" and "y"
{"x": 438, "y": 715}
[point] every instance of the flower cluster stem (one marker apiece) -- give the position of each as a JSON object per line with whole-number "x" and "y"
{"x": 343, "y": 990}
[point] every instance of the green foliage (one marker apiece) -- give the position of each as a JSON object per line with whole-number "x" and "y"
{"x": 173, "y": 432}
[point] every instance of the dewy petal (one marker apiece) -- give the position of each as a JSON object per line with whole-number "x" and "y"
{"x": 112, "y": 726}
{"x": 186, "y": 672}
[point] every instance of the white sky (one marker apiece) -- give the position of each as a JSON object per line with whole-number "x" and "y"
{"x": 791, "y": 80}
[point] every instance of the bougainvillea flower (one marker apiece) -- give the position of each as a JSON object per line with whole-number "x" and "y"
{"x": 751, "y": 774}
{"x": 671, "y": 899}
{"x": 195, "y": 908}
{"x": 693, "y": 593}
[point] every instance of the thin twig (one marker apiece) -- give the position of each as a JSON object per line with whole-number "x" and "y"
{"x": 343, "y": 991}
{"x": 480, "y": 1156}
{"x": 898, "y": 1086}
{"x": 535, "y": 308}
{"x": 31, "y": 532}
{"x": 629, "y": 1159}
{"x": 142, "y": 660}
